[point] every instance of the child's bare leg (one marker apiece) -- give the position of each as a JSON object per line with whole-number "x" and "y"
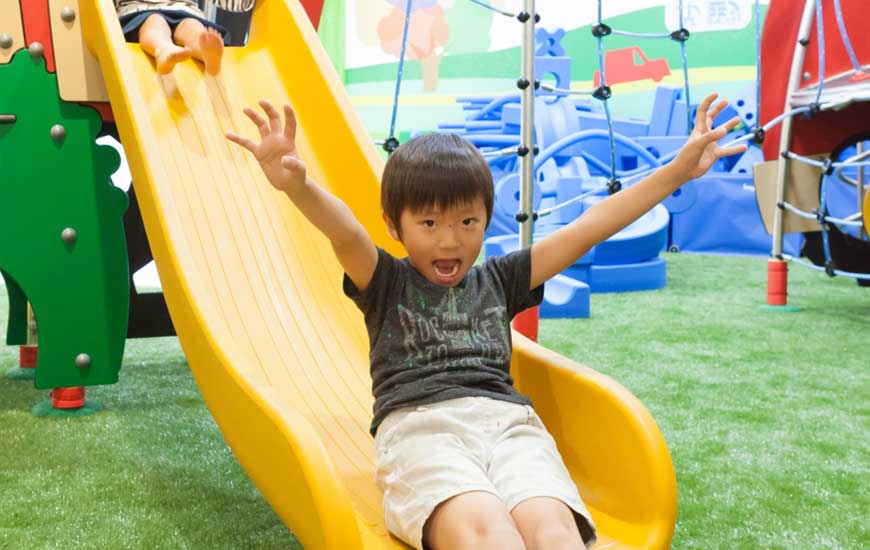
{"x": 476, "y": 520}
{"x": 155, "y": 37}
{"x": 547, "y": 523}
{"x": 206, "y": 44}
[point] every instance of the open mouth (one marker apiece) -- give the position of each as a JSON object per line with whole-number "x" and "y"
{"x": 446, "y": 270}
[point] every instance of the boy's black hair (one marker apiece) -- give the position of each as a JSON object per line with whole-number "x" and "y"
{"x": 440, "y": 170}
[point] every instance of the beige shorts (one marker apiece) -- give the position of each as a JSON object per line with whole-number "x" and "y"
{"x": 426, "y": 455}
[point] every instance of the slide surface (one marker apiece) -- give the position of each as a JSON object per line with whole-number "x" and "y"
{"x": 280, "y": 355}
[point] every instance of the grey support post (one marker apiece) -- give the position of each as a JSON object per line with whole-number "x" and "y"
{"x": 526, "y": 149}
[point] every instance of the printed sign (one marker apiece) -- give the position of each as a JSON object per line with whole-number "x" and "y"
{"x": 710, "y": 15}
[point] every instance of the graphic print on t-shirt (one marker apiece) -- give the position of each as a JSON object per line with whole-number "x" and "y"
{"x": 432, "y": 333}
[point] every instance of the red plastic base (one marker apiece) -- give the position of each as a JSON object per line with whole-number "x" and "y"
{"x": 27, "y": 356}
{"x": 777, "y": 282}
{"x": 526, "y": 323}
{"x": 68, "y": 398}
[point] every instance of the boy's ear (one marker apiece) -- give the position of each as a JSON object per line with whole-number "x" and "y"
{"x": 391, "y": 227}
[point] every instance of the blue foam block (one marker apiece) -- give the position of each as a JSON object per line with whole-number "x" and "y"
{"x": 556, "y": 118}
{"x": 600, "y": 148}
{"x": 568, "y": 188}
{"x": 622, "y": 277}
{"x": 559, "y": 67}
{"x": 748, "y": 160}
{"x": 682, "y": 198}
{"x": 663, "y": 105}
{"x": 629, "y": 127}
{"x": 723, "y": 218}
{"x": 648, "y": 275}
{"x": 745, "y": 105}
{"x": 507, "y": 195}
{"x": 661, "y": 145}
{"x": 548, "y": 43}
{"x": 678, "y": 123}
{"x": 640, "y": 241}
{"x": 565, "y": 298}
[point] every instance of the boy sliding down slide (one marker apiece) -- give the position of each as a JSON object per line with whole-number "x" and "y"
{"x": 171, "y": 31}
{"x": 462, "y": 458}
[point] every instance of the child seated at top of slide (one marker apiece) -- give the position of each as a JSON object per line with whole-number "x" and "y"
{"x": 172, "y": 31}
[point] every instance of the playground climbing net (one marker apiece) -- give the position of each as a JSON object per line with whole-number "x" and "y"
{"x": 602, "y": 93}
{"x": 829, "y": 94}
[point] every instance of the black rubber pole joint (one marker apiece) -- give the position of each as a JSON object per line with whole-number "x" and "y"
{"x": 391, "y": 144}
{"x": 601, "y": 30}
{"x": 680, "y": 35}
{"x": 614, "y": 186}
{"x": 603, "y": 93}
{"x": 758, "y": 135}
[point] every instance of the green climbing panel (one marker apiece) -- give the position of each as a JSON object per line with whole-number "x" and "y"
{"x": 55, "y": 186}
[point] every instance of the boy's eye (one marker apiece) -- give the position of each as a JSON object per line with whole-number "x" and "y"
{"x": 469, "y": 222}
{"x": 429, "y": 223}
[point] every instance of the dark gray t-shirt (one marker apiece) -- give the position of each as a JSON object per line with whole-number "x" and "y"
{"x": 429, "y": 343}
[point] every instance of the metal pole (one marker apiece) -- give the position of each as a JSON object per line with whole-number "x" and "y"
{"x": 797, "y": 64}
{"x": 527, "y": 130}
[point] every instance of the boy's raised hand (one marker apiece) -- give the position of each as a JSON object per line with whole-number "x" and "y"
{"x": 701, "y": 150}
{"x": 276, "y": 151}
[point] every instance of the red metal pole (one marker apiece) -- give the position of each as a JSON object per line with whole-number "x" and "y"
{"x": 68, "y": 398}
{"x": 777, "y": 282}
{"x": 27, "y": 356}
{"x": 526, "y": 323}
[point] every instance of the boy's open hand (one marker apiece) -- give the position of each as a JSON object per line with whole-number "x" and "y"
{"x": 276, "y": 151}
{"x": 701, "y": 150}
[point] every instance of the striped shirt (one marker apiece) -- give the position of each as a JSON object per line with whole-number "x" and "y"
{"x": 235, "y": 5}
{"x": 126, "y": 7}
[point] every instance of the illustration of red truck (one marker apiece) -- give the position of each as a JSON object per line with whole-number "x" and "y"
{"x": 630, "y": 64}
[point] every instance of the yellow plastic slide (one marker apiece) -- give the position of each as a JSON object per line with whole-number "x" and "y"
{"x": 280, "y": 355}
{"x": 867, "y": 213}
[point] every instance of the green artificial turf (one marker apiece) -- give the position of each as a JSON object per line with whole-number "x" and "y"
{"x": 151, "y": 470}
{"x": 767, "y": 416}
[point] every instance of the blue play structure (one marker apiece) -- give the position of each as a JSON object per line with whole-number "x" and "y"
{"x": 578, "y": 164}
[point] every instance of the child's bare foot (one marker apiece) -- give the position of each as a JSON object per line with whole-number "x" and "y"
{"x": 169, "y": 56}
{"x": 211, "y": 44}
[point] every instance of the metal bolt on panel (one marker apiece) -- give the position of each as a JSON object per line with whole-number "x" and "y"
{"x": 68, "y": 15}
{"x": 69, "y": 235}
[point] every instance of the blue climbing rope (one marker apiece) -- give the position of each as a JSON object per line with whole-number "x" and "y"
{"x": 391, "y": 142}
{"x": 838, "y": 11}
{"x": 820, "y": 32}
{"x": 492, "y": 8}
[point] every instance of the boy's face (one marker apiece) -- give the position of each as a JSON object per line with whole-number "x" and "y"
{"x": 442, "y": 244}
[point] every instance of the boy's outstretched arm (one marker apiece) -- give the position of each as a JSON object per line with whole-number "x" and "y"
{"x": 281, "y": 164}
{"x": 559, "y": 250}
